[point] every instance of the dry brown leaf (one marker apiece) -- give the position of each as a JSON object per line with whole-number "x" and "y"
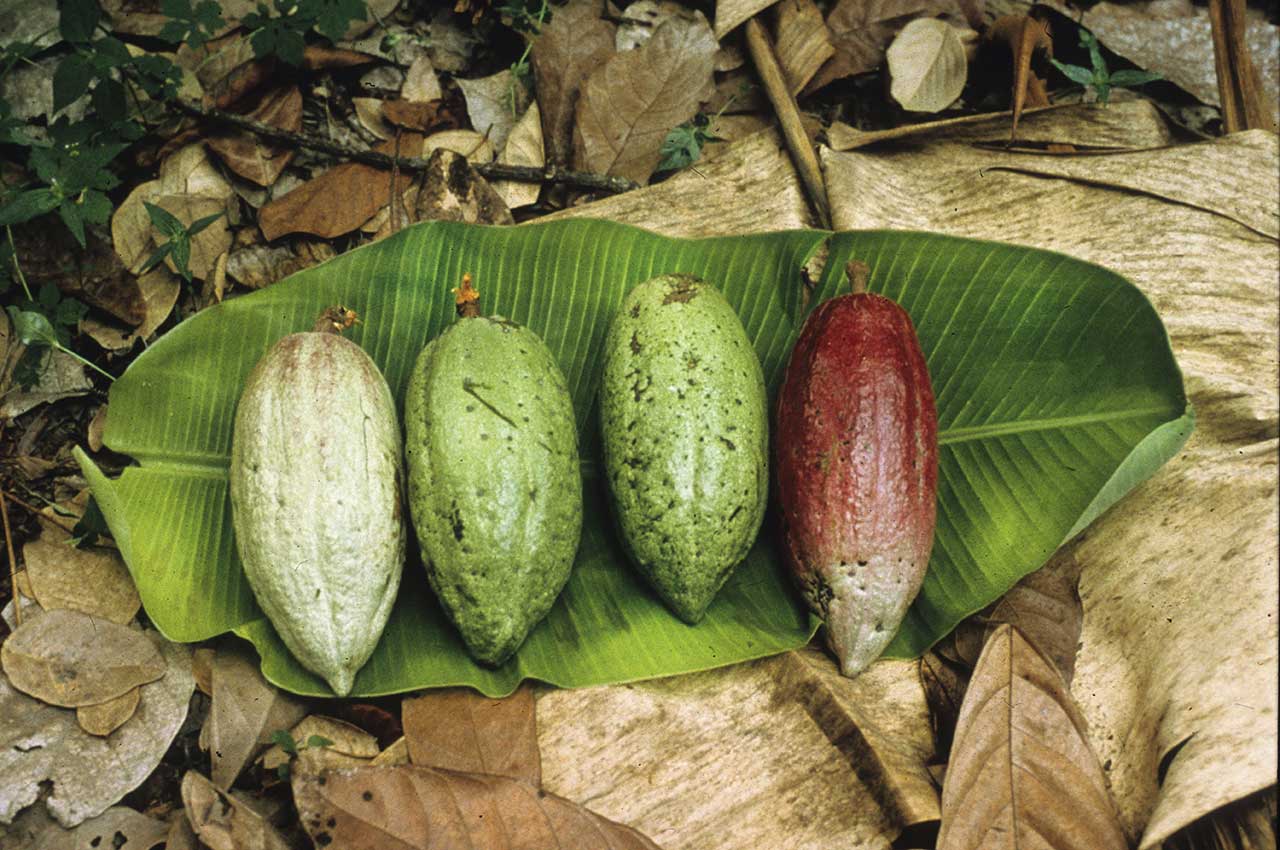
{"x": 94, "y": 274}
{"x": 95, "y": 428}
{"x": 41, "y": 745}
{"x": 92, "y": 581}
{"x": 159, "y": 289}
{"x": 1023, "y": 35}
{"x": 256, "y": 266}
{"x": 60, "y": 376}
{"x": 1210, "y": 269}
{"x": 118, "y": 827}
{"x": 223, "y": 822}
{"x": 468, "y": 143}
{"x": 570, "y": 47}
{"x": 494, "y": 103}
{"x": 244, "y": 713}
{"x": 842, "y": 137}
{"x": 208, "y": 244}
{"x": 452, "y": 191}
{"x": 369, "y": 112}
{"x": 106, "y": 717}
{"x": 395, "y": 753}
{"x": 927, "y": 65}
{"x": 349, "y": 746}
{"x": 202, "y": 668}
{"x": 629, "y": 104}
{"x": 862, "y": 29}
{"x": 418, "y": 117}
{"x": 71, "y": 659}
{"x": 248, "y": 154}
{"x": 421, "y": 85}
{"x": 190, "y": 171}
{"x": 802, "y": 41}
{"x": 339, "y": 200}
{"x": 524, "y": 147}
{"x": 420, "y": 807}
{"x": 1022, "y": 773}
{"x": 181, "y": 836}
{"x": 731, "y": 13}
{"x": 458, "y": 729}
{"x": 640, "y": 20}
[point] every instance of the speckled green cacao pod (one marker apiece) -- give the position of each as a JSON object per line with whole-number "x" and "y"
{"x": 316, "y": 497}
{"x": 495, "y": 490}
{"x": 684, "y": 418}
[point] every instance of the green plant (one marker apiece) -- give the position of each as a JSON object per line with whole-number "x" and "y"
{"x": 285, "y": 741}
{"x": 1099, "y": 78}
{"x": 179, "y": 245}
{"x": 283, "y": 34}
{"x": 524, "y": 20}
{"x": 683, "y": 145}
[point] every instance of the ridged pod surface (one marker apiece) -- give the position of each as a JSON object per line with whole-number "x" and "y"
{"x": 857, "y": 461}
{"x": 495, "y": 489}
{"x": 316, "y": 500}
{"x": 684, "y": 419}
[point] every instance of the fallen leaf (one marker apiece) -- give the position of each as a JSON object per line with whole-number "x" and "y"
{"x": 93, "y": 431}
{"x": 641, "y": 19}
{"x": 207, "y": 245}
{"x": 524, "y": 147}
{"x": 181, "y": 836}
{"x": 494, "y": 104}
{"x": 842, "y": 137}
{"x": 369, "y": 112}
{"x": 458, "y": 729}
{"x": 349, "y": 746}
{"x": 92, "y": 580}
{"x": 58, "y": 376}
{"x": 256, "y": 266}
{"x": 104, "y": 718}
{"x": 571, "y": 46}
{"x": 159, "y": 289}
{"x": 418, "y": 117}
{"x": 378, "y": 722}
{"x": 202, "y": 668}
{"x": 42, "y": 744}
{"x": 731, "y": 13}
{"x": 409, "y": 806}
{"x": 396, "y": 753}
{"x": 118, "y": 828}
{"x": 927, "y": 65}
{"x": 1023, "y": 35}
{"x": 71, "y": 659}
{"x": 190, "y": 171}
{"x": 249, "y": 155}
{"x": 862, "y": 29}
{"x": 244, "y": 713}
{"x": 1022, "y": 772}
{"x": 94, "y": 274}
{"x": 421, "y": 85}
{"x": 468, "y": 143}
{"x": 802, "y": 41}
{"x": 452, "y": 191}
{"x": 339, "y": 200}
{"x": 223, "y": 822}
{"x": 630, "y": 103}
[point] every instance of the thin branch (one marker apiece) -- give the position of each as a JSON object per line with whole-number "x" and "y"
{"x": 488, "y": 170}
{"x": 62, "y": 522}
{"x": 13, "y": 561}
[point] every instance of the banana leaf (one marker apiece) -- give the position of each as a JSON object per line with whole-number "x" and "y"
{"x": 1057, "y": 393}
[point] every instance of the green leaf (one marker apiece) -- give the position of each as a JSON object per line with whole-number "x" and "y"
{"x": 69, "y": 312}
{"x": 1133, "y": 78}
{"x": 156, "y": 258}
{"x": 319, "y": 741}
{"x": 1075, "y": 73}
{"x": 27, "y": 205}
{"x": 284, "y": 741}
{"x": 201, "y": 223}
{"x": 182, "y": 256}
{"x": 333, "y": 16}
{"x": 77, "y": 19}
{"x": 108, "y": 100}
{"x": 32, "y": 327}
{"x": 163, "y": 220}
{"x": 1056, "y": 387}
{"x": 70, "y": 80}
{"x": 71, "y": 217}
{"x": 95, "y": 206}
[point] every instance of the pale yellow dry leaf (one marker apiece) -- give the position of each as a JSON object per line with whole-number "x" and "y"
{"x": 222, "y": 822}
{"x": 369, "y": 112}
{"x": 103, "y": 718}
{"x": 131, "y": 227}
{"x": 70, "y": 659}
{"x": 731, "y": 13}
{"x": 190, "y": 171}
{"x": 160, "y": 289}
{"x": 92, "y": 581}
{"x": 396, "y": 753}
{"x": 494, "y": 103}
{"x": 350, "y": 745}
{"x": 472, "y": 145}
{"x": 927, "y": 65}
{"x": 244, "y": 713}
{"x": 802, "y": 41}
{"x": 1165, "y": 653}
{"x": 202, "y": 668}
{"x": 524, "y": 147}
{"x": 117, "y": 827}
{"x": 93, "y": 431}
{"x": 421, "y": 85}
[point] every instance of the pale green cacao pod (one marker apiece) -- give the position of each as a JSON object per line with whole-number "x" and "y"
{"x": 316, "y": 500}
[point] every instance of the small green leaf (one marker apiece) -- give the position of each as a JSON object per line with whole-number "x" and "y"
{"x": 163, "y": 220}
{"x": 1133, "y": 78}
{"x": 201, "y": 223}
{"x": 48, "y": 296}
{"x": 156, "y": 258}
{"x": 284, "y": 741}
{"x": 69, "y": 312}
{"x": 319, "y": 741}
{"x": 90, "y": 526}
{"x": 27, "y": 205}
{"x": 1075, "y": 73}
{"x": 71, "y": 217}
{"x": 32, "y": 327}
{"x": 70, "y": 80}
{"x": 95, "y": 207}
{"x": 182, "y": 256}
{"x": 108, "y": 100}
{"x": 333, "y": 16}
{"x": 78, "y": 19}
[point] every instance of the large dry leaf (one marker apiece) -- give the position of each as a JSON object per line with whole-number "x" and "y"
{"x": 70, "y": 659}
{"x": 862, "y": 29}
{"x": 524, "y": 147}
{"x": 339, "y": 200}
{"x": 494, "y": 104}
{"x": 60, "y": 376}
{"x": 93, "y": 580}
{"x": 244, "y": 713}
{"x": 118, "y": 828}
{"x": 248, "y": 154}
{"x": 629, "y": 104}
{"x": 222, "y": 822}
{"x": 42, "y": 744}
{"x": 421, "y": 85}
{"x": 458, "y": 729}
{"x": 453, "y": 191}
{"x": 768, "y": 754}
{"x": 1022, "y": 773}
{"x": 1207, "y": 255}
{"x": 159, "y": 289}
{"x": 802, "y": 41}
{"x": 731, "y": 13}
{"x": 570, "y": 47}
{"x": 409, "y": 806}
{"x": 927, "y": 65}
{"x": 104, "y": 718}
{"x": 348, "y": 745}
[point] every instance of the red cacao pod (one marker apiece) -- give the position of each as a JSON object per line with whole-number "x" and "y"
{"x": 856, "y": 448}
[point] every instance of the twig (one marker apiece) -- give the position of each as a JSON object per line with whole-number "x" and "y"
{"x": 775, "y": 86}
{"x": 1244, "y": 106}
{"x": 13, "y": 561}
{"x": 64, "y": 524}
{"x": 488, "y": 170}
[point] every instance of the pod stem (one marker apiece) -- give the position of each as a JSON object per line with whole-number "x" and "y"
{"x": 335, "y": 320}
{"x": 858, "y": 273}
{"x": 466, "y": 298}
